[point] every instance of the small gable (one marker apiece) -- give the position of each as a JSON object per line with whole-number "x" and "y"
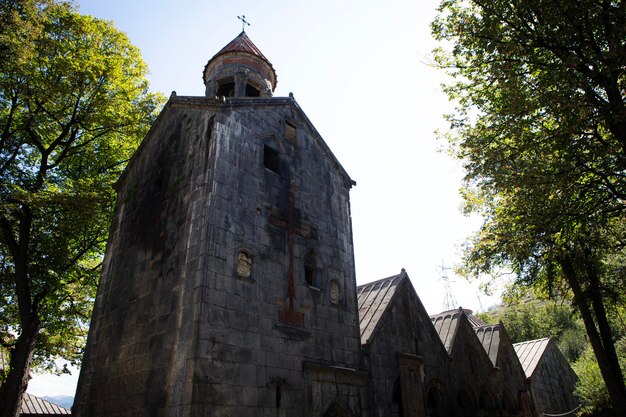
{"x": 489, "y": 337}
{"x": 391, "y": 305}
{"x": 446, "y": 324}
{"x": 530, "y": 353}
{"x": 507, "y": 357}
{"x": 552, "y": 380}
{"x": 373, "y": 300}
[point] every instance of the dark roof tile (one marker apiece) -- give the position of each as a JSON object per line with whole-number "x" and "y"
{"x": 242, "y": 43}
{"x": 489, "y": 337}
{"x": 530, "y": 353}
{"x": 373, "y": 299}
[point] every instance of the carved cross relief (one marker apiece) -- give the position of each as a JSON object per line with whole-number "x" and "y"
{"x": 290, "y": 315}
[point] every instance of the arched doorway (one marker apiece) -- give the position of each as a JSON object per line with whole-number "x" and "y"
{"x": 396, "y": 400}
{"x": 435, "y": 400}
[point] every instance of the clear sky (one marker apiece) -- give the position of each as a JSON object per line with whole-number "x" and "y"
{"x": 361, "y": 70}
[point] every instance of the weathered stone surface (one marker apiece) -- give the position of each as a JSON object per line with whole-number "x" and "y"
{"x": 459, "y": 376}
{"x": 552, "y": 381}
{"x": 228, "y": 287}
{"x": 174, "y": 291}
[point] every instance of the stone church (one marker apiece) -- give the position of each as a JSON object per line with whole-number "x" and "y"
{"x": 229, "y": 287}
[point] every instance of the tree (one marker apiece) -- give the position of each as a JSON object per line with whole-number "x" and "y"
{"x": 74, "y": 104}
{"x": 541, "y": 129}
{"x": 590, "y": 387}
{"x": 536, "y": 319}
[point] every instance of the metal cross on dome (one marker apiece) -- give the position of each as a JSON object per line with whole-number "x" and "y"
{"x": 244, "y": 22}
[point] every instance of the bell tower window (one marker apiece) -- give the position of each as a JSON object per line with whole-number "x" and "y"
{"x": 271, "y": 158}
{"x": 226, "y": 87}
{"x": 252, "y": 91}
{"x": 310, "y": 270}
{"x": 290, "y": 132}
{"x": 309, "y": 275}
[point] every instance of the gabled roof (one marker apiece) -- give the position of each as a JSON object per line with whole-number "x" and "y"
{"x": 446, "y": 323}
{"x": 32, "y": 405}
{"x": 242, "y": 43}
{"x": 489, "y": 337}
{"x": 373, "y": 299}
{"x": 530, "y": 353}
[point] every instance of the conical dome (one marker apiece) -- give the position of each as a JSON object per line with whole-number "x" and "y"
{"x": 239, "y": 70}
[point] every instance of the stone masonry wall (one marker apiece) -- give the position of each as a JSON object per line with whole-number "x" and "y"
{"x": 186, "y": 321}
{"x": 142, "y": 335}
{"x": 510, "y": 376}
{"x": 249, "y": 363}
{"x": 473, "y": 376}
{"x": 553, "y": 383}
{"x": 405, "y": 328}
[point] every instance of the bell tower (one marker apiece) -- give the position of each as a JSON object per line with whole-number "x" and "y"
{"x": 228, "y": 286}
{"x": 239, "y": 70}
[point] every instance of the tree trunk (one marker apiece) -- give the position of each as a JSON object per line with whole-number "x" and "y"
{"x": 21, "y": 355}
{"x": 602, "y": 343}
{"x": 12, "y": 391}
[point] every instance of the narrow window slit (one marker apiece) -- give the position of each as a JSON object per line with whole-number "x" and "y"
{"x": 270, "y": 159}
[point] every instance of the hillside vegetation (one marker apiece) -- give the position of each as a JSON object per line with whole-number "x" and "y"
{"x": 527, "y": 317}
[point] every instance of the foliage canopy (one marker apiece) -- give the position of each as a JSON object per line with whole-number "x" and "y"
{"x": 591, "y": 388}
{"x": 539, "y": 319}
{"x": 74, "y": 104}
{"x": 541, "y": 129}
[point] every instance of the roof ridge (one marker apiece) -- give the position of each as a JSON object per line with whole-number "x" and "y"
{"x": 494, "y": 325}
{"x": 532, "y": 341}
{"x": 465, "y": 311}
{"x": 241, "y": 43}
{"x": 362, "y": 286}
